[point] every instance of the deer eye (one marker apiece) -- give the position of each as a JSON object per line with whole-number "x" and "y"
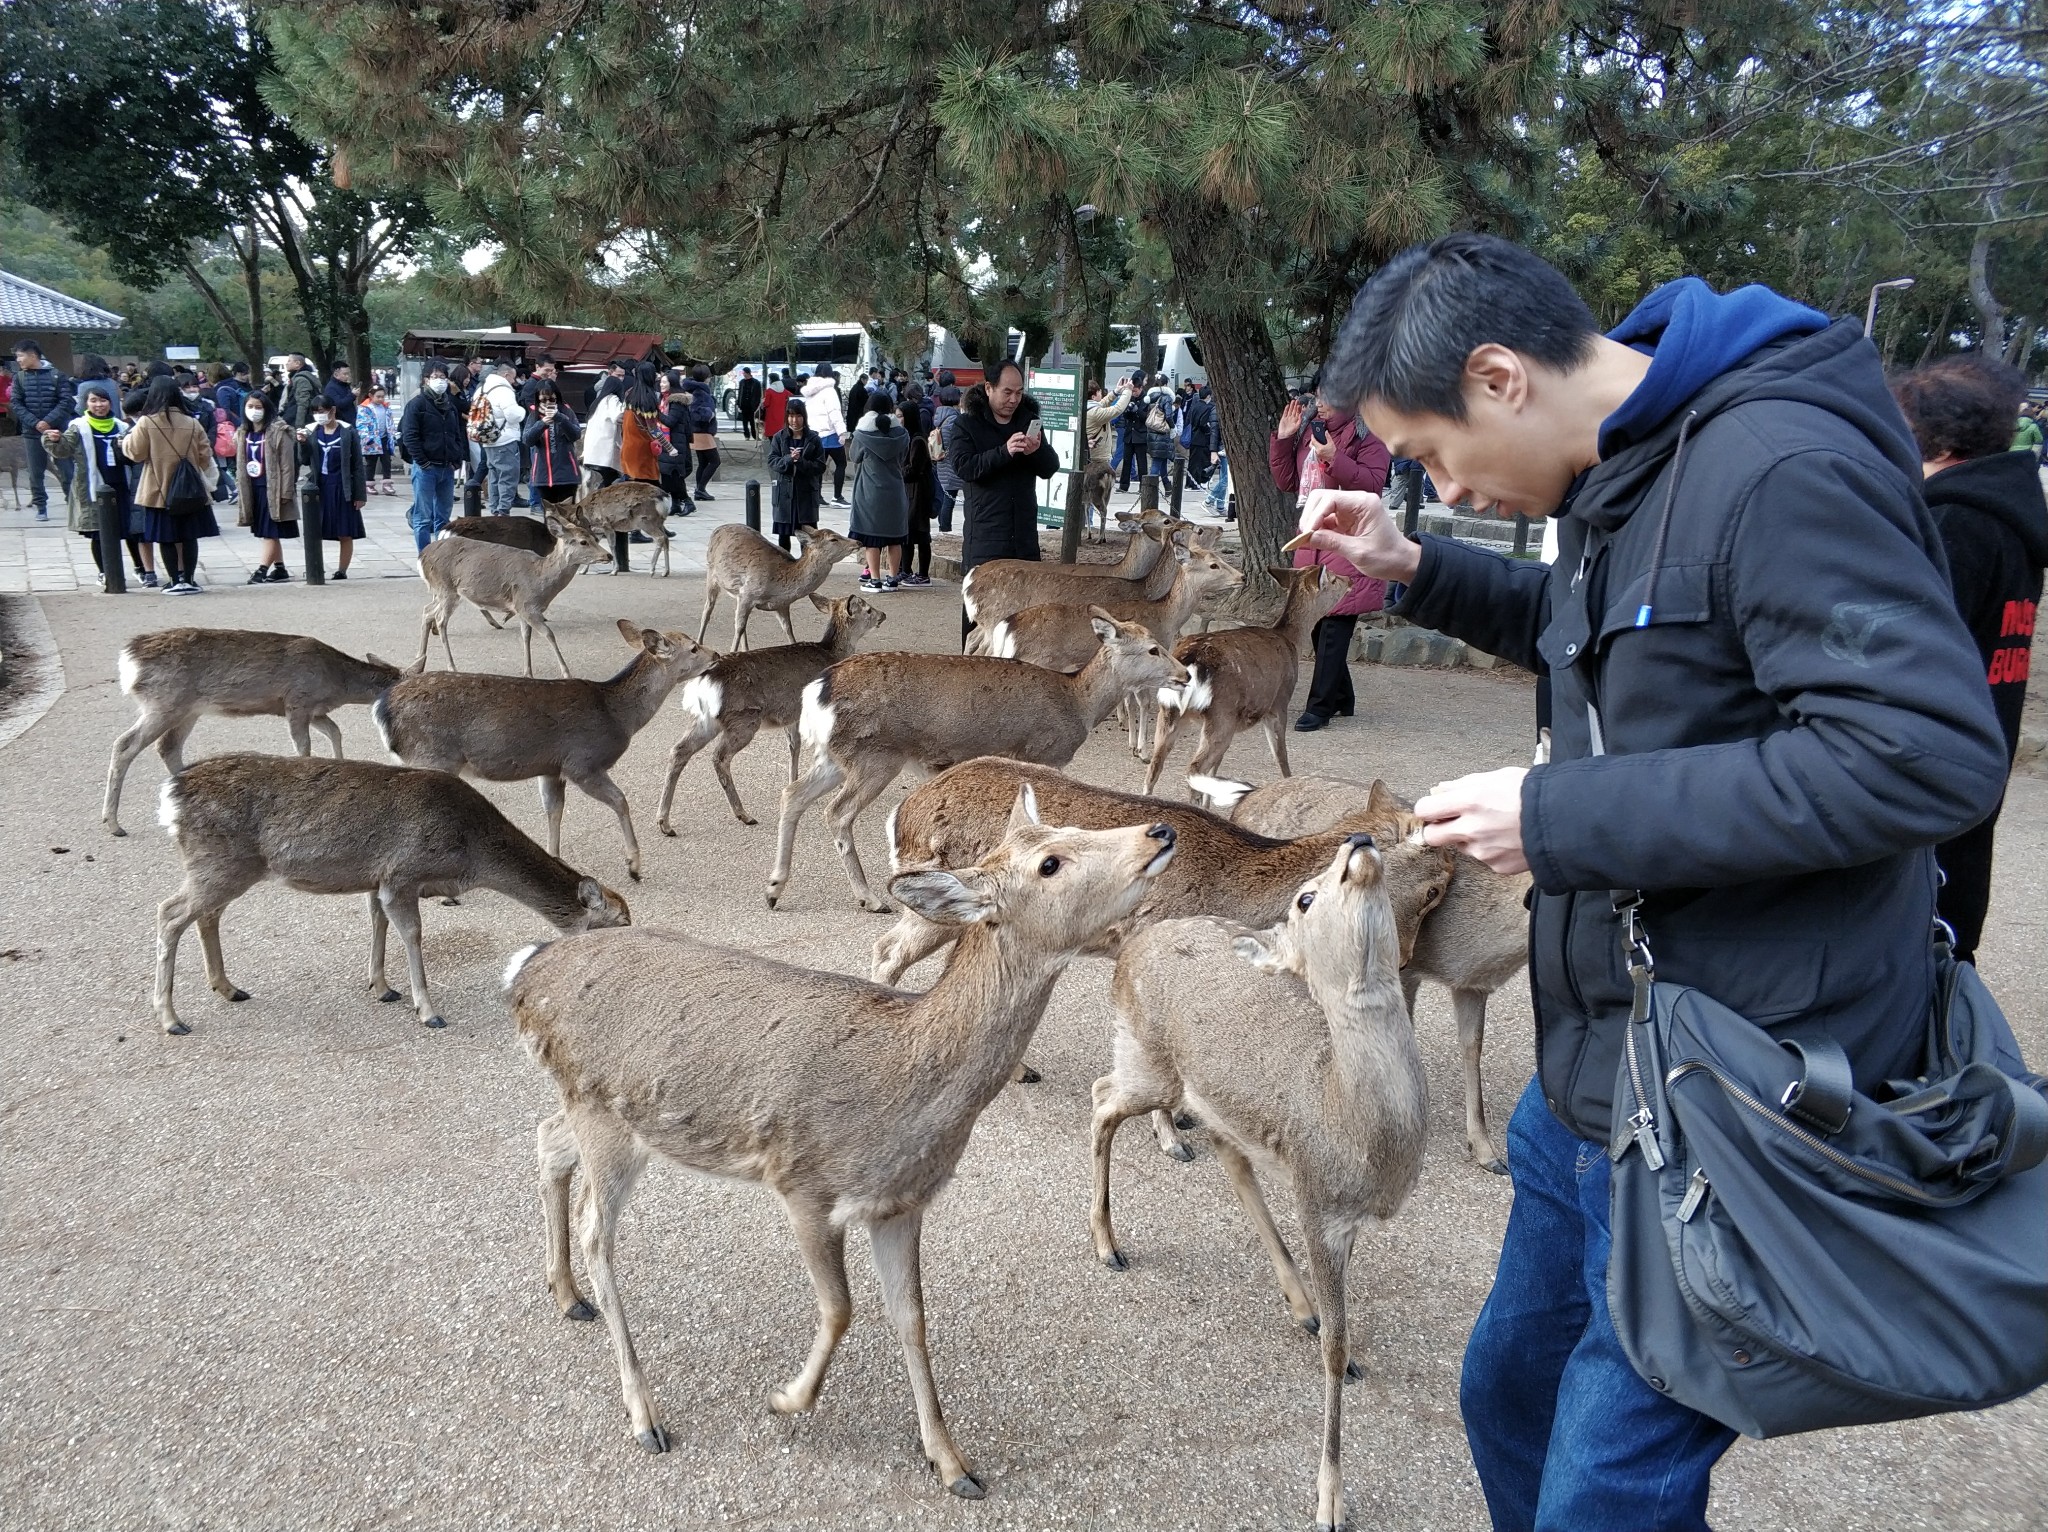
{"x": 1153, "y": 650}
{"x": 1307, "y": 898}
{"x": 1048, "y": 867}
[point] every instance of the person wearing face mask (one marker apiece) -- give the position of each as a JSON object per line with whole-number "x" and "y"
{"x": 334, "y": 471}
{"x": 379, "y": 433}
{"x": 99, "y": 501}
{"x": 436, "y": 440}
{"x": 266, "y": 476}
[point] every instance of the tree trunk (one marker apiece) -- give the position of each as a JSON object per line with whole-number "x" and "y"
{"x": 1938, "y": 334}
{"x": 252, "y": 283}
{"x": 1244, "y": 379}
{"x": 1148, "y": 334}
{"x": 2023, "y": 332}
{"x": 217, "y": 308}
{"x": 1990, "y": 312}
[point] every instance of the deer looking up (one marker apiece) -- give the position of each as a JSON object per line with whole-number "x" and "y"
{"x": 720, "y": 1060}
{"x": 178, "y": 675}
{"x": 500, "y": 581}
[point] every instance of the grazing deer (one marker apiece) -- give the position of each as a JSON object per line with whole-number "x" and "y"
{"x": 512, "y": 728}
{"x": 733, "y": 700}
{"x": 1238, "y": 677}
{"x": 1059, "y": 635}
{"x": 851, "y": 1102}
{"x": 871, "y": 715}
{"x": 1326, "y": 1088}
{"x": 349, "y": 827}
{"x": 1472, "y": 943}
{"x": 178, "y": 675}
{"x": 497, "y": 581}
{"x": 1222, "y": 869}
{"x": 1001, "y": 587}
{"x": 521, "y": 532}
{"x": 630, "y": 505}
{"x": 761, "y": 577}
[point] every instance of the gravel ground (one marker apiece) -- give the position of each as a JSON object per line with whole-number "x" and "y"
{"x": 286, "y": 1272}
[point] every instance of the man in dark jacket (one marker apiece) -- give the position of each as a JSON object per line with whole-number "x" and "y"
{"x": 1986, "y": 499}
{"x": 747, "y": 403}
{"x": 433, "y": 431}
{"x": 997, "y": 453}
{"x": 341, "y": 394}
{"x": 232, "y": 392}
{"x": 301, "y": 388}
{"x": 1766, "y": 715}
{"x": 43, "y": 400}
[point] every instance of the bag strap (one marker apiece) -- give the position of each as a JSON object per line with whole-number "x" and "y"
{"x": 1821, "y": 1094}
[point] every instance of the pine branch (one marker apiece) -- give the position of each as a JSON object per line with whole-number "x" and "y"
{"x": 867, "y": 200}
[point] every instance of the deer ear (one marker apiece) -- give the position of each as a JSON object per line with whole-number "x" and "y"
{"x": 1024, "y": 811}
{"x": 1382, "y": 799}
{"x": 1103, "y": 624}
{"x": 590, "y": 894}
{"x": 634, "y": 635}
{"x": 945, "y": 898}
{"x": 822, "y": 603}
{"x": 1264, "y": 950}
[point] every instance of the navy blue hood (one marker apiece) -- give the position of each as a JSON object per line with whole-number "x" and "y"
{"x": 1693, "y": 335}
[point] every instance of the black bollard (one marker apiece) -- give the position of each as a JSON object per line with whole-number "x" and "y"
{"x": 1148, "y": 493}
{"x": 1521, "y": 534}
{"x": 621, "y": 560}
{"x": 1411, "y": 489}
{"x": 1176, "y": 481}
{"x": 309, "y": 530}
{"x": 753, "y": 505}
{"x": 113, "y": 528}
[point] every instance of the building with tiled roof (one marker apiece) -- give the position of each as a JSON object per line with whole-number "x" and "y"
{"x": 31, "y": 311}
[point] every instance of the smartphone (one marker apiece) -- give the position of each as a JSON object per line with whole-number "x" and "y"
{"x": 1318, "y": 430}
{"x": 1035, "y": 433}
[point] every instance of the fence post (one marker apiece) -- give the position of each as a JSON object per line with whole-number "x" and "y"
{"x": 1176, "y": 480}
{"x": 1148, "y": 493}
{"x": 1521, "y": 534}
{"x": 1411, "y": 490}
{"x": 753, "y": 505}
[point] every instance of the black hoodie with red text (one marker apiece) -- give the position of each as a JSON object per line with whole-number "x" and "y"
{"x": 1994, "y": 523}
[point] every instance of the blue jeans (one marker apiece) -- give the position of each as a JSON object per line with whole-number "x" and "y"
{"x": 433, "y": 497}
{"x": 1565, "y": 1435}
{"x": 39, "y": 463}
{"x": 1219, "y": 486}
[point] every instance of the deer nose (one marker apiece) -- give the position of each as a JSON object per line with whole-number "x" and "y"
{"x": 1360, "y": 841}
{"x": 1162, "y": 833}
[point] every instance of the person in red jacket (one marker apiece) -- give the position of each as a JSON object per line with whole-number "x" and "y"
{"x": 1334, "y": 451}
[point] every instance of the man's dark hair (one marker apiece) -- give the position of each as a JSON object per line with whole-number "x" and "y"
{"x": 1007, "y": 364}
{"x": 240, "y": 370}
{"x": 700, "y": 373}
{"x": 31, "y": 348}
{"x": 1961, "y": 406}
{"x": 1428, "y": 309}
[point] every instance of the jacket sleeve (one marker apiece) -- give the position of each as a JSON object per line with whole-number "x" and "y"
{"x": 358, "y": 477}
{"x": 1890, "y": 740}
{"x": 1361, "y": 463}
{"x": 973, "y": 467}
{"x": 64, "y": 405}
{"x": 1045, "y": 462}
{"x": 1283, "y": 457}
{"x": 1496, "y": 604}
{"x": 409, "y": 427}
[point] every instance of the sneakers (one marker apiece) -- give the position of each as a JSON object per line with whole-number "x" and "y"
{"x": 279, "y": 574}
{"x": 147, "y": 577}
{"x": 870, "y": 586}
{"x": 917, "y": 579}
{"x": 261, "y": 576}
{"x": 181, "y": 588}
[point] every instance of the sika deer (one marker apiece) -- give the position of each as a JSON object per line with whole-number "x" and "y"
{"x": 1222, "y": 869}
{"x": 179, "y": 675}
{"x": 851, "y": 1102}
{"x": 500, "y": 580}
{"x": 1327, "y": 1087}
{"x": 1002, "y": 587}
{"x": 521, "y": 532}
{"x": 629, "y": 505}
{"x": 1238, "y": 677}
{"x": 511, "y": 728}
{"x": 761, "y": 577}
{"x": 1059, "y": 635}
{"x": 732, "y": 700}
{"x": 1472, "y": 943}
{"x": 349, "y": 827}
{"x": 871, "y": 715}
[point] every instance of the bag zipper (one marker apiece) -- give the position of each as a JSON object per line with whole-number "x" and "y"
{"x": 1695, "y": 1193}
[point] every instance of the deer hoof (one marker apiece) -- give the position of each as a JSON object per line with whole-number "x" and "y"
{"x": 1115, "y": 1261}
{"x": 876, "y": 906}
{"x": 1352, "y": 1371}
{"x": 653, "y": 1439}
{"x": 176, "y": 1029}
{"x": 746, "y": 819}
{"x": 117, "y": 830}
{"x": 1182, "y": 1153}
{"x": 1026, "y": 1075}
{"x": 665, "y": 830}
{"x": 1497, "y": 1165}
{"x": 633, "y": 873}
{"x": 238, "y": 994}
{"x": 436, "y": 1022}
{"x": 1313, "y": 1324}
{"x": 580, "y": 1311}
{"x": 451, "y": 902}
{"x": 388, "y": 997}
{"x": 967, "y": 1487}
{"x": 772, "y": 896}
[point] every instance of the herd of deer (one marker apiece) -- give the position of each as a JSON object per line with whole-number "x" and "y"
{"x": 1267, "y": 946}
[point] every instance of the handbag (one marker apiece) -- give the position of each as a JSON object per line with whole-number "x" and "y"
{"x": 1791, "y": 1254}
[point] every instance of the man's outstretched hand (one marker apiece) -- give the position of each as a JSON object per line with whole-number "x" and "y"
{"x": 1480, "y": 815}
{"x": 1354, "y": 524}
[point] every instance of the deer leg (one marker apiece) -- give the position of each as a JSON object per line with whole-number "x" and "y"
{"x": 744, "y": 610}
{"x": 739, "y": 734}
{"x": 539, "y": 620}
{"x": 1245, "y": 1183}
{"x": 612, "y": 1162}
{"x": 796, "y": 745}
{"x": 133, "y": 741}
{"x": 402, "y": 909}
{"x": 600, "y": 786}
{"x": 824, "y": 775}
{"x": 379, "y": 928}
{"x": 906, "y": 944}
{"x": 864, "y": 784}
{"x": 1329, "y": 1254}
{"x": 556, "y": 1149}
{"x": 710, "y": 605}
{"x": 1276, "y": 741}
{"x": 788, "y": 626}
{"x": 1162, "y": 744}
{"x": 328, "y": 732}
{"x": 302, "y": 735}
{"x": 823, "y": 1244}
{"x": 894, "y": 1242}
{"x": 170, "y": 745}
{"x": 1115, "y": 1101}
{"x": 551, "y": 798}
{"x": 1211, "y": 748}
{"x": 206, "y": 893}
{"x": 1469, "y": 1005}
{"x": 686, "y": 747}
{"x": 1171, "y": 1143}
{"x": 216, "y": 966}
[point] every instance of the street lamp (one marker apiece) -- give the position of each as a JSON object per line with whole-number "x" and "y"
{"x": 1870, "y": 314}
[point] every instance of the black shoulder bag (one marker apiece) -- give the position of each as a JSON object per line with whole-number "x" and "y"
{"x": 186, "y": 494}
{"x": 1791, "y": 1254}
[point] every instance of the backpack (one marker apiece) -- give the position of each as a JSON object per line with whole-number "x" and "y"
{"x": 935, "y": 443}
{"x": 223, "y": 434}
{"x": 1159, "y": 418}
{"x": 484, "y": 424}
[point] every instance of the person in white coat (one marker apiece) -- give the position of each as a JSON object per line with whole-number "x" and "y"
{"x": 828, "y": 419}
{"x": 601, "y": 433}
{"x": 500, "y": 397}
